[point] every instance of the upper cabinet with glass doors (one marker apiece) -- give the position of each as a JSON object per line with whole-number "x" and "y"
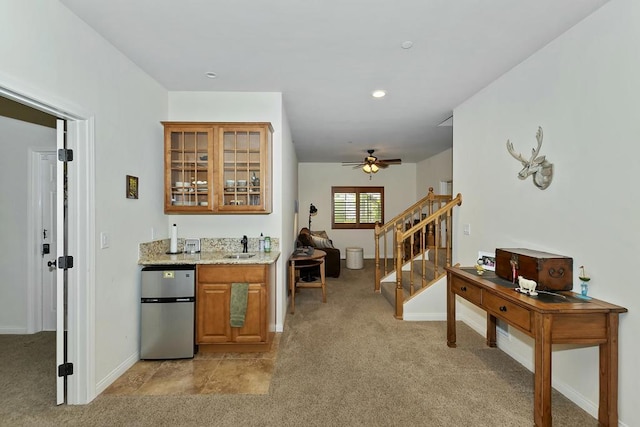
{"x": 217, "y": 167}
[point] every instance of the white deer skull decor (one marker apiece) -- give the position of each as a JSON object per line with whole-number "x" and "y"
{"x": 539, "y": 167}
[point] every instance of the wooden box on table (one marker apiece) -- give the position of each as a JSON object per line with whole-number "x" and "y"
{"x": 551, "y": 272}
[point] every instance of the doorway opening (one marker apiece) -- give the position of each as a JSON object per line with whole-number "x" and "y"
{"x": 80, "y": 229}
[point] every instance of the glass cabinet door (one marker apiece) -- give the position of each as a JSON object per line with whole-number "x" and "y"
{"x": 243, "y": 169}
{"x": 217, "y": 167}
{"x": 188, "y": 175}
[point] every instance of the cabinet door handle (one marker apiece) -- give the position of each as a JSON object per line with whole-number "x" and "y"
{"x": 503, "y": 308}
{"x": 463, "y": 289}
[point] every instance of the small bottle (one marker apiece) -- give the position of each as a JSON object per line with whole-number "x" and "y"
{"x": 261, "y": 243}
{"x": 267, "y": 244}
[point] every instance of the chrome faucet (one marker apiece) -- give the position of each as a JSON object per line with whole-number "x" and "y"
{"x": 244, "y": 242}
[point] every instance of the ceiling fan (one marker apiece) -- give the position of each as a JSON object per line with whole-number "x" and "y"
{"x": 371, "y": 164}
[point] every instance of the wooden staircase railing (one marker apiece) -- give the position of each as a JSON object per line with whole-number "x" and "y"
{"x": 385, "y": 235}
{"x": 425, "y": 225}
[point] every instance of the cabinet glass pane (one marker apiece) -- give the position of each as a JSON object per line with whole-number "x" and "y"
{"x": 242, "y": 168}
{"x": 189, "y": 168}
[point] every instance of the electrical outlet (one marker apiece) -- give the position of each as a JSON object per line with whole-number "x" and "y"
{"x": 467, "y": 229}
{"x": 105, "y": 240}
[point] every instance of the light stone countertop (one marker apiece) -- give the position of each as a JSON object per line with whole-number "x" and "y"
{"x": 215, "y": 257}
{"x": 213, "y": 251}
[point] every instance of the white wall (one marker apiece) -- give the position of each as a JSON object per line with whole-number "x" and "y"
{"x": 583, "y": 89}
{"x": 244, "y": 107}
{"x": 289, "y": 189}
{"x": 51, "y": 55}
{"x": 17, "y": 141}
{"x": 430, "y": 172}
{"x": 316, "y": 180}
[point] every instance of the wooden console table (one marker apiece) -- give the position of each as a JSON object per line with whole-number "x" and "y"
{"x": 565, "y": 318}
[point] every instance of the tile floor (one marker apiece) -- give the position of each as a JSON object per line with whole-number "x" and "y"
{"x": 206, "y": 373}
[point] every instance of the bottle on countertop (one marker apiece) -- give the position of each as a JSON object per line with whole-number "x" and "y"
{"x": 267, "y": 244}
{"x": 261, "y": 243}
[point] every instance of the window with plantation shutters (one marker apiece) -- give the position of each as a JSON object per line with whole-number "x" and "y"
{"x": 357, "y": 207}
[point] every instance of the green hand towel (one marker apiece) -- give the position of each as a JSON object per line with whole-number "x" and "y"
{"x": 238, "y": 309}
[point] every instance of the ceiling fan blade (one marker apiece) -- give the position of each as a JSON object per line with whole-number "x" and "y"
{"x": 373, "y": 160}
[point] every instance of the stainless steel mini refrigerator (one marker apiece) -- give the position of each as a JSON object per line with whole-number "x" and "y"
{"x": 167, "y": 312}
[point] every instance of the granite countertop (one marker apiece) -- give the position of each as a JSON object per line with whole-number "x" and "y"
{"x": 212, "y": 251}
{"x": 208, "y": 257}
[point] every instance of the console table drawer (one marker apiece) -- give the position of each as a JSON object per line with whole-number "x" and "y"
{"x": 466, "y": 290}
{"x": 512, "y": 313}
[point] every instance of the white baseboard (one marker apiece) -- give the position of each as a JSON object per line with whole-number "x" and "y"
{"x": 13, "y": 331}
{"x": 116, "y": 373}
{"x": 424, "y": 317}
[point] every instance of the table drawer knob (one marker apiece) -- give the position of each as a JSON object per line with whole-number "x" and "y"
{"x": 463, "y": 289}
{"x": 503, "y": 308}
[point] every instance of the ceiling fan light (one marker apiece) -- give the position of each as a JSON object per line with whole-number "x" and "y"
{"x": 374, "y": 168}
{"x": 367, "y": 168}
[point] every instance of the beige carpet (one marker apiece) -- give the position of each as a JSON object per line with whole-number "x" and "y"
{"x": 344, "y": 363}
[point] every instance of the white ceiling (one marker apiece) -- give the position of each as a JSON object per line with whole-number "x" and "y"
{"x": 327, "y": 57}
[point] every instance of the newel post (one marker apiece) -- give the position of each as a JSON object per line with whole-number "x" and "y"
{"x": 376, "y": 286}
{"x": 399, "y": 292}
{"x": 431, "y": 197}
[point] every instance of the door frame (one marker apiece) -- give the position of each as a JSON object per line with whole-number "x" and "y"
{"x": 81, "y": 232}
{"x": 34, "y": 258}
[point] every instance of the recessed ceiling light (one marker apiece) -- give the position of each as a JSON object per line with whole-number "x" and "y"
{"x": 211, "y": 74}
{"x": 407, "y": 44}
{"x": 378, "y": 93}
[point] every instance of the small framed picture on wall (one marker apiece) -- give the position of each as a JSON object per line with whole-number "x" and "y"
{"x": 132, "y": 187}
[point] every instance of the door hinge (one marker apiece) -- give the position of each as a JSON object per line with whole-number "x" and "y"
{"x": 65, "y": 369}
{"x": 65, "y": 262}
{"x": 65, "y": 155}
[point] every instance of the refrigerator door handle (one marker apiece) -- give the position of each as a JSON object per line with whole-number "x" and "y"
{"x": 167, "y": 300}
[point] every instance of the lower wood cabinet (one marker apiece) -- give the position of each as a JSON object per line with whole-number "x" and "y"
{"x": 213, "y": 307}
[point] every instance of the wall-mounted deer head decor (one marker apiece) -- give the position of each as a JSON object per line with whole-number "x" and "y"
{"x": 539, "y": 167}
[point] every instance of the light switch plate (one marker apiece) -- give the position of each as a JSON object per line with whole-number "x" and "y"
{"x": 105, "y": 240}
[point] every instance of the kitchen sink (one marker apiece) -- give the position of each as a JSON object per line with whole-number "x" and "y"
{"x": 240, "y": 255}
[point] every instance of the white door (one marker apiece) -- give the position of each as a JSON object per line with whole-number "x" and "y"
{"x": 60, "y": 253}
{"x": 47, "y": 197}
{"x": 446, "y": 187}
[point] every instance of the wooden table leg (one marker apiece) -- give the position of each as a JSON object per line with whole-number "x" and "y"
{"x": 608, "y": 407}
{"x": 451, "y": 315}
{"x": 322, "y": 281}
{"x": 491, "y": 330}
{"x": 292, "y": 284}
{"x": 542, "y": 375}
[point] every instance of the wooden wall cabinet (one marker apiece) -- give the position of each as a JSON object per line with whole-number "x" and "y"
{"x": 213, "y": 299}
{"x": 218, "y": 167}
